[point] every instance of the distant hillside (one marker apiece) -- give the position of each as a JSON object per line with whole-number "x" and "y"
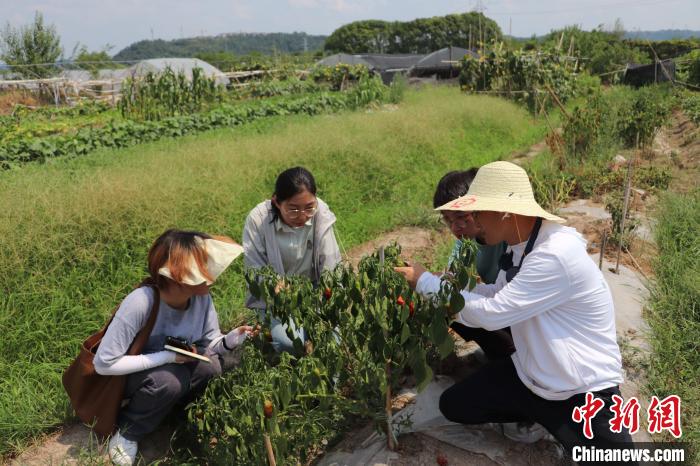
{"x": 663, "y": 34}
{"x": 236, "y": 43}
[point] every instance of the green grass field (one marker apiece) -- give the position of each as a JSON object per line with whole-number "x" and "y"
{"x": 674, "y": 311}
{"x": 75, "y": 232}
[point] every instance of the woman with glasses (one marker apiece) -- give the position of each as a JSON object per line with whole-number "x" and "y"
{"x": 292, "y": 232}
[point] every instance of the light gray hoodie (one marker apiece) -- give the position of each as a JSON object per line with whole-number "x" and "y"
{"x": 260, "y": 247}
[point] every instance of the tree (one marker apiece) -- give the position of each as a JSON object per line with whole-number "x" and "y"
{"x": 423, "y": 35}
{"x": 33, "y": 44}
{"x": 94, "y": 61}
{"x": 601, "y": 52}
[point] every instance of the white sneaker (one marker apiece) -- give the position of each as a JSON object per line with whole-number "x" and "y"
{"x": 122, "y": 451}
{"x": 524, "y": 432}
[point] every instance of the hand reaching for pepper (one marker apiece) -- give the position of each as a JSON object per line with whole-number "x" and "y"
{"x": 411, "y": 273}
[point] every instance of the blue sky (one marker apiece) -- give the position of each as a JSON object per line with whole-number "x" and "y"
{"x": 96, "y": 23}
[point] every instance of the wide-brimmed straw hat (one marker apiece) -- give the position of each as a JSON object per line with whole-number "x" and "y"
{"x": 501, "y": 187}
{"x": 220, "y": 254}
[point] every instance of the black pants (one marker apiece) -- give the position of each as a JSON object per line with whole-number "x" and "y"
{"x": 496, "y": 344}
{"x": 494, "y": 393}
{"x": 154, "y": 392}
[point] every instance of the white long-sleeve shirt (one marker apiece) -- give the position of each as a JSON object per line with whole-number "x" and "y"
{"x": 198, "y": 324}
{"x": 560, "y": 312}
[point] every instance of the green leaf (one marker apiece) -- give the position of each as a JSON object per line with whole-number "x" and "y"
{"x": 284, "y": 395}
{"x": 405, "y": 333}
{"x": 438, "y": 329}
{"x": 404, "y": 313}
{"x": 446, "y": 347}
{"x": 254, "y": 289}
{"x": 463, "y": 278}
{"x": 456, "y": 302}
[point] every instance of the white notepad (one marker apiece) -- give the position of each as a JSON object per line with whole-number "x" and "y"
{"x": 187, "y": 353}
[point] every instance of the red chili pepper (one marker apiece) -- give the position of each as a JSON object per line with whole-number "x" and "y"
{"x": 411, "y": 309}
{"x": 400, "y": 301}
{"x": 267, "y": 409}
{"x": 327, "y": 293}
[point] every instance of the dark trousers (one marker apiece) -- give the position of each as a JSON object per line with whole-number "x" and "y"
{"x": 494, "y": 393}
{"x": 153, "y": 393}
{"x": 496, "y": 344}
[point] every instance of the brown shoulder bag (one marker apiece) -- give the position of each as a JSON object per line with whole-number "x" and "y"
{"x": 97, "y": 398}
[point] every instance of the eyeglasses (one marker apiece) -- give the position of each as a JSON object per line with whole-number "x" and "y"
{"x": 464, "y": 218}
{"x": 296, "y": 213}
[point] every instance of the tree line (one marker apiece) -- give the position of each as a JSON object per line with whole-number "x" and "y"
{"x": 423, "y": 35}
{"x": 235, "y": 43}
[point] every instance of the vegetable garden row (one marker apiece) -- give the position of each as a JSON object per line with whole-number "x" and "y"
{"x": 169, "y": 105}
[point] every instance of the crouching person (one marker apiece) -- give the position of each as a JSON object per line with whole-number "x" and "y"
{"x": 497, "y": 343}
{"x": 182, "y": 265}
{"x": 294, "y": 233}
{"x": 560, "y": 311}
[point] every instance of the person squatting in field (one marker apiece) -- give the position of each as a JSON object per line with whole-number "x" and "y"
{"x": 558, "y": 306}
{"x": 181, "y": 265}
{"x": 455, "y": 184}
{"x": 292, "y": 232}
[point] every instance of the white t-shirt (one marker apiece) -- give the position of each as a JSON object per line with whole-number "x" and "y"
{"x": 560, "y": 312}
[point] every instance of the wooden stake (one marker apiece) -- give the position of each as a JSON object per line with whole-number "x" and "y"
{"x": 603, "y": 242}
{"x": 557, "y": 101}
{"x": 636, "y": 264}
{"x": 270, "y": 451}
{"x": 625, "y": 205}
{"x": 389, "y": 429}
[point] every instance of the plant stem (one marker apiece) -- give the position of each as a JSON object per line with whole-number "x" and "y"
{"x": 389, "y": 430}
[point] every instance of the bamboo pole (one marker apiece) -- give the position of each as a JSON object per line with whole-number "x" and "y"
{"x": 625, "y": 205}
{"x": 270, "y": 451}
{"x": 603, "y": 243}
{"x": 391, "y": 444}
{"x": 557, "y": 101}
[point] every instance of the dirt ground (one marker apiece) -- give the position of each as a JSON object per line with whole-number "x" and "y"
{"x": 9, "y": 99}
{"x": 417, "y": 244}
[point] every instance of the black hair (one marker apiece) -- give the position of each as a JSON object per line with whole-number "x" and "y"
{"x": 290, "y": 183}
{"x": 453, "y": 185}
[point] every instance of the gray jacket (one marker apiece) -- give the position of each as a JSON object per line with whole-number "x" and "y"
{"x": 260, "y": 247}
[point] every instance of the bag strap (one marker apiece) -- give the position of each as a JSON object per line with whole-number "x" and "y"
{"x": 94, "y": 340}
{"x": 142, "y": 337}
{"x": 531, "y": 241}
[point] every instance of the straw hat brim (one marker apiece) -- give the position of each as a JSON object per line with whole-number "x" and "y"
{"x": 472, "y": 202}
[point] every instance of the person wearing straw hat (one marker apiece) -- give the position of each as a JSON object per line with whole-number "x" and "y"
{"x": 558, "y": 306}
{"x": 182, "y": 266}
